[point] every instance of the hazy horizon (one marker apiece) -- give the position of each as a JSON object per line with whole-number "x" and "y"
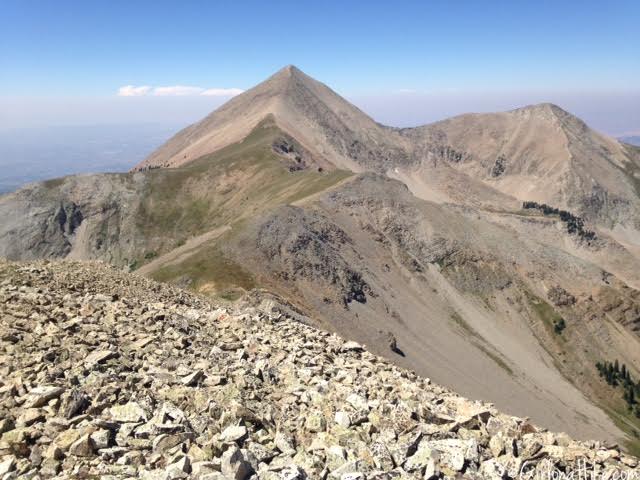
{"x": 112, "y": 135}
{"x": 416, "y": 63}
{"x": 40, "y": 153}
{"x": 125, "y": 67}
{"x": 613, "y": 113}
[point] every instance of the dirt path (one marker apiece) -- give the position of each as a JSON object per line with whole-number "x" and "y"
{"x": 314, "y": 196}
{"x": 178, "y": 254}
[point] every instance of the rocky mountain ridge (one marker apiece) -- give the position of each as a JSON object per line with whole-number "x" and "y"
{"x": 535, "y": 153}
{"x": 420, "y": 242}
{"x": 110, "y": 375}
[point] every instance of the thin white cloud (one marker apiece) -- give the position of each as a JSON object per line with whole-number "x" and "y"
{"x": 176, "y": 91}
{"x": 133, "y": 91}
{"x": 222, "y": 92}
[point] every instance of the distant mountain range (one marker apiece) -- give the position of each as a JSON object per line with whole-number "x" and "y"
{"x": 498, "y": 254}
{"x": 633, "y": 140}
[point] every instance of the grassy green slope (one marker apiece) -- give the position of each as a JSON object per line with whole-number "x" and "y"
{"x": 223, "y": 188}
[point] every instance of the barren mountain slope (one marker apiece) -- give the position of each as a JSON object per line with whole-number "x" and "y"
{"x": 538, "y": 153}
{"x": 109, "y": 375}
{"x": 541, "y": 153}
{"x": 465, "y": 296}
{"x": 509, "y": 304}
{"x": 81, "y": 216}
{"x": 128, "y": 219}
{"x": 333, "y": 130}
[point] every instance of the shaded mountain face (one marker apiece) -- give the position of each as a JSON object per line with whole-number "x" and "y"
{"x": 496, "y": 253}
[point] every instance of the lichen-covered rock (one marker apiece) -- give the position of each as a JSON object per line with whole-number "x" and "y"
{"x": 40, "y": 396}
{"x": 109, "y": 375}
{"x": 233, "y": 433}
{"x": 127, "y": 413}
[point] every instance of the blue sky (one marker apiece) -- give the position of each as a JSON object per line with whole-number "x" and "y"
{"x": 464, "y": 52}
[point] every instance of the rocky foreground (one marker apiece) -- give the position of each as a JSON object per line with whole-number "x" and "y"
{"x": 109, "y": 375}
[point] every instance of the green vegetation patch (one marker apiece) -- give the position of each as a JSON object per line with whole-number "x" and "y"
{"x": 618, "y": 408}
{"x": 208, "y": 271}
{"x": 573, "y": 223}
{"x": 618, "y": 376}
{"x": 551, "y": 319}
{"x": 479, "y": 342}
{"x": 626, "y": 421}
{"x": 315, "y": 182}
{"x": 462, "y": 323}
{"x": 225, "y": 188}
{"x": 54, "y": 182}
{"x": 496, "y": 358}
{"x": 240, "y": 180}
{"x": 559, "y": 326}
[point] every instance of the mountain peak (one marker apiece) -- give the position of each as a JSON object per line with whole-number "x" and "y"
{"x": 285, "y": 77}
{"x": 543, "y": 107}
{"x": 552, "y": 112}
{"x": 289, "y": 70}
{"x": 303, "y": 107}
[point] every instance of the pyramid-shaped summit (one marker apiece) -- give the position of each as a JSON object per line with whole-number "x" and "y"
{"x": 322, "y": 121}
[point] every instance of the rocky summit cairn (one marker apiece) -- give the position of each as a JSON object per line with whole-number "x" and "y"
{"x": 109, "y": 375}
